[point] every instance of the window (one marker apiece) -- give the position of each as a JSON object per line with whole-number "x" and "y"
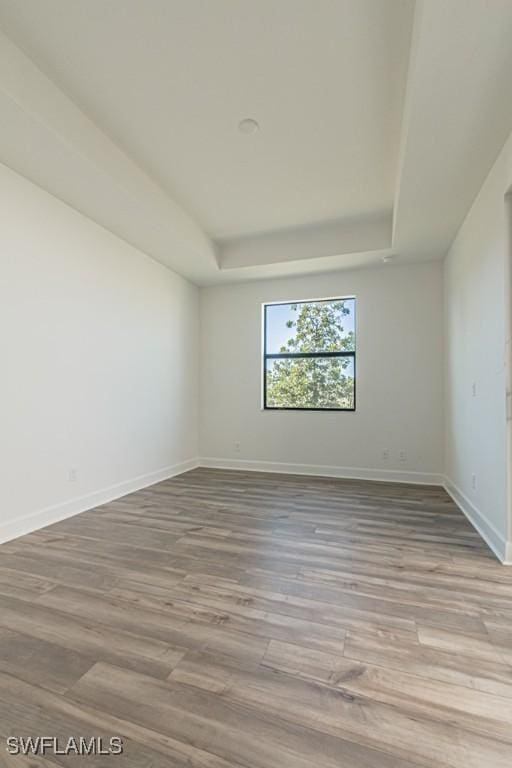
{"x": 309, "y": 359}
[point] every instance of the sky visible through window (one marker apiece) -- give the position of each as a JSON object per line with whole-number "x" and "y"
{"x": 278, "y": 315}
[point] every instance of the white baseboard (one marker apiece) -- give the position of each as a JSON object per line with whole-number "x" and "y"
{"x": 500, "y": 546}
{"x": 49, "y": 515}
{"x": 43, "y": 517}
{"x": 352, "y": 473}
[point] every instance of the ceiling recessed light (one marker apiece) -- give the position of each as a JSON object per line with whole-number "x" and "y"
{"x": 248, "y": 125}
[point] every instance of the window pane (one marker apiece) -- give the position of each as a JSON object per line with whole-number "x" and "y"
{"x": 310, "y": 383}
{"x": 316, "y": 326}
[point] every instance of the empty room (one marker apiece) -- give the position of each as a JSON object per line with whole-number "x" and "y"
{"x": 256, "y": 383}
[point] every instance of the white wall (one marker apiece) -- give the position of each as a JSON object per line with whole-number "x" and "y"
{"x": 98, "y": 356}
{"x": 475, "y": 312}
{"x": 99, "y": 368}
{"x": 399, "y": 378}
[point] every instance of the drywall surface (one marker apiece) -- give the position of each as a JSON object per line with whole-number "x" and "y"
{"x": 99, "y": 384}
{"x": 399, "y": 379}
{"x": 475, "y": 326}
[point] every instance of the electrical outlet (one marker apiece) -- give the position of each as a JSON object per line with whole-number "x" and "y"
{"x": 385, "y": 454}
{"x": 402, "y": 455}
{"x": 473, "y": 482}
{"x": 72, "y": 475}
{"x": 237, "y": 446}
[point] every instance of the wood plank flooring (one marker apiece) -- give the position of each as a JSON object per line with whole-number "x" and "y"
{"x": 224, "y": 619}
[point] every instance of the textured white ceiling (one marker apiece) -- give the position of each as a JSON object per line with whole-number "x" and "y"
{"x": 169, "y": 81}
{"x": 379, "y": 121}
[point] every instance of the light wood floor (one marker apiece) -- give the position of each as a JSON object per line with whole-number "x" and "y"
{"x": 226, "y": 619}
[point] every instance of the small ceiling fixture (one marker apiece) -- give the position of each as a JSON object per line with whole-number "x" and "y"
{"x": 248, "y": 125}
{"x": 387, "y": 258}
